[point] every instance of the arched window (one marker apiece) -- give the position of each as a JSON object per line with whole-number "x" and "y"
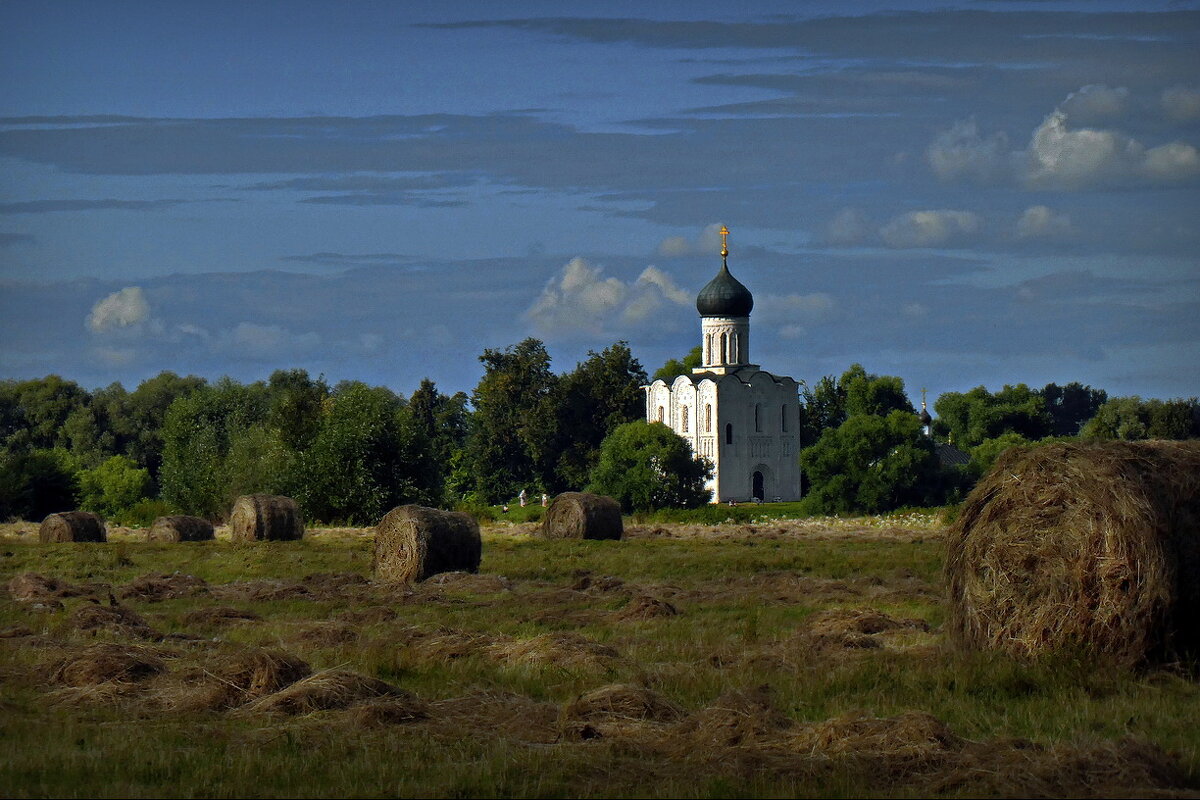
{"x": 661, "y": 413}
{"x": 708, "y": 417}
{"x": 729, "y": 433}
{"x": 724, "y": 348}
{"x": 758, "y": 417}
{"x": 734, "y": 349}
{"x": 783, "y": 418}
{"x": 683, "y": 419}
{"x": 708, "y": 348}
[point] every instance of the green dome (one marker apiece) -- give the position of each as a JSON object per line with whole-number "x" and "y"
{"x": 724, "y": 296}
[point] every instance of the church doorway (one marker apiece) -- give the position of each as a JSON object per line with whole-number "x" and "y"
{"x": 758, "y": 492}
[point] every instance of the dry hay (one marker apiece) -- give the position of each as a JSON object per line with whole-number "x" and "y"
{"x": 907, "y": 742}
{"x": 441, "y": 644}
{"x": 472, "y": 583}
{"x": 112, "y": 618}
{"x": 72, "y": 526}
{"x": 155, "y": 587}
{"x": 218, "y": 616}
{"x": 611, "y": 710}
{"x": 392, "y": 710}
{"x": 502, "y": 714}
{"x": 413, "y": 542}
{"x": 180, "y": 528}
{"x": 854, "y": 628}
{"x": 579, "y": 515}
{"x": 31, "y": 587}
{"x": 259, "y": 591}
{"x": 1081, "y": 547}
{"x": 326, "y": 634}
{"x": 326, "y": 690}
{"x": 568, "y": 651}
{"x": 229, "y": 680}
{"x": 99, "y": 664}
{"x": 646, "y": 607}
{"x": 587, "y": 582}
{"x": 265, "y": 517}
{"x": 15, "y": 632}
{"x": 741, "y": 718}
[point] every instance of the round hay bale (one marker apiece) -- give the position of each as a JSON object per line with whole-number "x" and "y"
{"x": 72, "y": 526}
{"x": 258, "y": 517}
{"x": 1081, "y": 547}
{"x": 180, "y": 528}
{"x": 413, "y": 542}
{"x": 579, "y": 515}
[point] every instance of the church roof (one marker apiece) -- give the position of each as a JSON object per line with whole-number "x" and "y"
{"x": 950, "y": 456}
{"x": 724, "y": 296}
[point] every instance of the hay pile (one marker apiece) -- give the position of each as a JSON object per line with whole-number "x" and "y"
{"x": 578, "y": 515}
{"x": 72, "y": 526}
{"x": 258, "y": 517}
{"x": 1081, "y": 547}
{"x": 156, "y": 587}
{"x": 413, "y": 542}
{"x": 569, "y": 651}
{"x": 105, "y": 663}
{"x": 611, "y": 710}
{"x": 113, "y": 618}
{"x": 180, "y": 528}
{"x": 327, "y": 690}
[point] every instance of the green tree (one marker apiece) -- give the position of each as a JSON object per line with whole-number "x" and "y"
{"x": 603, "y": 392}
{"x": 36, "y": 483}
{"x": 114, "y": 487}
{"x": 872, "y": 463}
{"x": 35, "y": 412}
{"x": 1131, "y": 419}
{"x": 1071, "y": 406}
{"x": 367, "y": 458}
{"x": 139, "y": 423}
{"x": 830, "y": 402}
{"x": 984, "y": 455}
{"x": 512, "y": 426}
{"x": 969, "y": 418}
{"x": 646, "y": 465}
{"x": 295, "y": 406}
{"x": 675, "y": 367}
{"x": 197, "y": 434}
{"x": 445, "y": 423}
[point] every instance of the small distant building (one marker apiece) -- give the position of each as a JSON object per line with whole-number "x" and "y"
{"x": 948, "y": 455}
{"x": 746, "y": 421}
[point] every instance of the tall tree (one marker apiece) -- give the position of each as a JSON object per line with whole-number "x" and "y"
{"x": 969, "y": 418}
{"x": 296, "y": 404}
{"x": 675, "y": 366}
{"x": 512, "y": 425}
{"x": 603, "y": 392}
{"x": 444, "y": 422}
{"x": 1071, "y": 406}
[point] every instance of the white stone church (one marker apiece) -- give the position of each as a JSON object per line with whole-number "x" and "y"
{"x": 744, "y": 420}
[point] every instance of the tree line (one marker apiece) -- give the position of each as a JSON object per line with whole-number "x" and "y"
{"x": 350, "y": 452}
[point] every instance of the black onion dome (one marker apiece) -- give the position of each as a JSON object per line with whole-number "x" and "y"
{"x": 924, "y": 417}
{"x": 724, "y": 296}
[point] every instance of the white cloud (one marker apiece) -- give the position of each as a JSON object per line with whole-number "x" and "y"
{"x": 929, "y": 228}
{"x": 1042, "y": 221}
{"x": 581, "y": 299}
{"x": 790, "y": 315}
{"x": 961, "y": 153}
{"x": 1172, "y": 162}
{"x": 264, "y": 341}
{"x": 915, "y": 310}
{"x": 1065, "y": 152}
{"x": 1096, "y": 101}
{"x": 707, "y": 243}
{"x": 120, "y": 310}
{"x": 1181, "y": 103}
{"x": 849, "y": 226}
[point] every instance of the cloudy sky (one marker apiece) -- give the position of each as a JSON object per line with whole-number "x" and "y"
{"x": 957, "y": 193}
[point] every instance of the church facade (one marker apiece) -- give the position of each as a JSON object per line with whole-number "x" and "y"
{"x": 743, "y": 419}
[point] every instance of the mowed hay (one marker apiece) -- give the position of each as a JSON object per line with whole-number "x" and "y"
{"x": 579, "y": 515}
{"x": 258, "y": 517}
{"x": 72, "y": 526}
{"x": 413, "y": 542}
{"x": 1081, "y": 547}
{"x": 180, "y": 528}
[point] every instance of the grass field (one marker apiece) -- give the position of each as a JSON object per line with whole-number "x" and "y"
{"x": 764, "y": 658}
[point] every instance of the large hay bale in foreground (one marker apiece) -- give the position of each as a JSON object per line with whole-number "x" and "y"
{"x": 180, "y": 528}
{"x": 579, "y": 515}
{"x": 413, "y": 542}
{"x": 1081, "y": 548}
{"x": 72, "y": 526}
{"x": 257, "y": 517}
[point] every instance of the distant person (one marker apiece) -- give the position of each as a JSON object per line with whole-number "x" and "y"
{"x": 545, "y": 499}
{"x": 504, "y": 508}
{"x": 521, "y": 497}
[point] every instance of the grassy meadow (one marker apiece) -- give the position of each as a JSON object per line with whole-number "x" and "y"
{"x": 760, "y": 657}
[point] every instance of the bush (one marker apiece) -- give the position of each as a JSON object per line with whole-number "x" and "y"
{"x": 644, "y": 466}
{"x": 35, "y": 484}
{"x": 114, "y": 487}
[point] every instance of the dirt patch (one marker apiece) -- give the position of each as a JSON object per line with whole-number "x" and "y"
{"x": 156, "y": 587}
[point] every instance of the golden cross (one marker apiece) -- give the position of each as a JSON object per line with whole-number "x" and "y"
{"x": 923, "y": 391}
{"x": 724, "y": 244}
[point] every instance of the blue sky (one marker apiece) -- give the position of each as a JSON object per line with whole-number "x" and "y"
{"x": 956, "y": 193}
